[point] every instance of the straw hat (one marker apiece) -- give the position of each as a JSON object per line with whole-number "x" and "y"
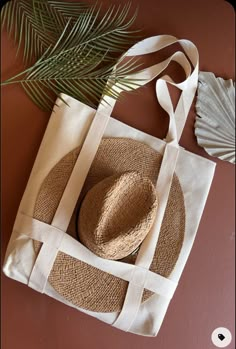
{"x": 114, "y": 213}
{"x": 117, "y": 214}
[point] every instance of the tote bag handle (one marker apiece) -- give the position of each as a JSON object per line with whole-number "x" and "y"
{"x": 188, "y": 86}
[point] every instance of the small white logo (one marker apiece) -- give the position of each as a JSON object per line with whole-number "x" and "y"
{"x": 221, "y": 337}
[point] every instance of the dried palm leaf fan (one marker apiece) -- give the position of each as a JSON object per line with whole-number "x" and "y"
{"x": 215, "y": 121}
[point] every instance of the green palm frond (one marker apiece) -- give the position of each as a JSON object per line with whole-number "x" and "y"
{"x": 69, "y": 10}
{"x": 75, "y": 48}
{"x": 77, "y": 71}
{"x": 37, "y": 24}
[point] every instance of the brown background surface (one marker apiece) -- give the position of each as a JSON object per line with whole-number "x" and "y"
{"x": 204, "y": 299}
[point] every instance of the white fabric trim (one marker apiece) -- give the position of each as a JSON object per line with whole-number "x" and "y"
{"x": 147, "y": 250}
{"x": 163, "y": 186}
{"x": 76, "y": 181}
{"x": 148, "y": 247}
{"x": 57, "y": 240}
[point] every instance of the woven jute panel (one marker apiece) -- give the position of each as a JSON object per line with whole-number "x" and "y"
{"x": 86, "y": 286}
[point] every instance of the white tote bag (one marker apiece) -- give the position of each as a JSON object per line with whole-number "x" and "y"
{"x": 78, "y": 125}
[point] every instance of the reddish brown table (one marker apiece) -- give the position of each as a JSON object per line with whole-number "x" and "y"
{"x": 204, "y": 299}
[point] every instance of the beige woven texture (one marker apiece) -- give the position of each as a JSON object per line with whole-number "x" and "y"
{"x": 116, "y": 215}
{"x": 86, "y": 286}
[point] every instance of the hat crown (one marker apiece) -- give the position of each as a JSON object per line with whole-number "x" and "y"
{"x": 117, "y": 214}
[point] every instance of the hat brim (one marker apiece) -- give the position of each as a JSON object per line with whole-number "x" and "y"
{"x": 80, "y": 283}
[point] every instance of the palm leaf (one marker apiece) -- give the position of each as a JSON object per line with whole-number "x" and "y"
{"x": 69, "y": 10}
{"x": 37, "y": 24}
{"x": 76, "y": 56}
{"x": 77, "y": 71}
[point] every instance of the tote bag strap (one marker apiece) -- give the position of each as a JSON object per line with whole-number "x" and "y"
{"x": 177, "y": 118}
{"x": 136, "y": 287}
{"x": 188, "y": 86}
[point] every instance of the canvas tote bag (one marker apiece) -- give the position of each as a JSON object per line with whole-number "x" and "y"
{"x": 134, "y": 296}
